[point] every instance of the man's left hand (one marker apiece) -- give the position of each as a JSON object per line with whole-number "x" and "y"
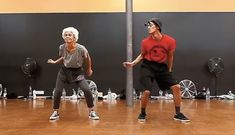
{"x": 89, "y": 72}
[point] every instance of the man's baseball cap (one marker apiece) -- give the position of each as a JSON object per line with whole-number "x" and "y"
{"x": 156, "y": 21}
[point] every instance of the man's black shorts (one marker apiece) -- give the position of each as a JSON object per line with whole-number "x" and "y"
{"x": 159, "y": 71}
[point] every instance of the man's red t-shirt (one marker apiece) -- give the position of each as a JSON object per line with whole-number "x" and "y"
{"x": 157, "y": 51}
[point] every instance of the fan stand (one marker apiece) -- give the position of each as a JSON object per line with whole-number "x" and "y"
{"x": 215, "y": 86}
{"x": 29, "y": 77}
{"x": 29, "y": 80}
{"x": 216, "y": 66}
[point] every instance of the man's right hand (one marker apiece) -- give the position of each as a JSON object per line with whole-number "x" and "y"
{"x": 127, "y": 64}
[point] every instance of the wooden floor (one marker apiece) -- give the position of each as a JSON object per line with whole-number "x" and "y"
{"x": 30, "y": 117}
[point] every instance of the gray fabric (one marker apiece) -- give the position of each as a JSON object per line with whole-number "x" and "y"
{"x": 75, "y": 59}
{"x": 73, "y": 74}
{"x": 62, "y": 79}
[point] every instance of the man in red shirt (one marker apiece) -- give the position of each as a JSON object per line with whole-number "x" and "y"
{"x": 157, "y": 52}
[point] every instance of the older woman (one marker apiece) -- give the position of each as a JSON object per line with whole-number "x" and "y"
{"x": 72, "y": 55}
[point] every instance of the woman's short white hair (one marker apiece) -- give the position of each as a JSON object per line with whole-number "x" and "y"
{"x": 73, "y": 30}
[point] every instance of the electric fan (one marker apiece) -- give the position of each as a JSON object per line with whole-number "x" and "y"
{"x": 188, "y": 89}
{"x": 29, "y": 67}
{"x": 216, "y": 66}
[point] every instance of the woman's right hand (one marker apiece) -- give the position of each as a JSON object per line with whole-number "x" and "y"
{"x": 51, "y": 61}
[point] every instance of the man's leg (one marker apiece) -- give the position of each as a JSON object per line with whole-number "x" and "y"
{"x": 146, "y": 80}
{"x": 143, "y": 105}
{"x": 177, "y": 100}
{"x": 177, "y": 97}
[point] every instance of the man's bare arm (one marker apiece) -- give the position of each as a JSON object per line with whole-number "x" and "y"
{"x": 133, "y": 63}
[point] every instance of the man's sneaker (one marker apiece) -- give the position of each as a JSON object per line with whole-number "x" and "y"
{"x": 142, "y": 117}
{"x": 54, "y": 116}
{"x": 181, "y": 117}
{"x": 93, "y": 116}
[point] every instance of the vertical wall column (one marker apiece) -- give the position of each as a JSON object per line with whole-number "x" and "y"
{"x": 129, "y": 75}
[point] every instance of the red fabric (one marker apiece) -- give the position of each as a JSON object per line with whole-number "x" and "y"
{"x": 157, "y": 51}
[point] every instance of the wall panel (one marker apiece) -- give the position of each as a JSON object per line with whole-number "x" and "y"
{"x": 184, "y": 5}
{"x": 61, "y": 6}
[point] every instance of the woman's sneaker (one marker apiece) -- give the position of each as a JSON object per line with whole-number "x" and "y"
{"x": 54, "y": 115}
{"x": 181, "y": 117}
{"x": 93, "y": 115}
